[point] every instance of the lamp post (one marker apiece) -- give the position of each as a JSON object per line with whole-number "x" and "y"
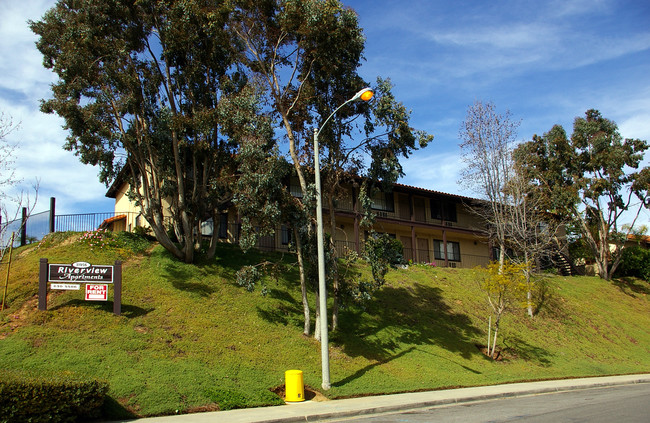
{"x": 365, "y": 95}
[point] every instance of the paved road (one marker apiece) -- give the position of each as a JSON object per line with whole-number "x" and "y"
{"x": 617, "y": 404}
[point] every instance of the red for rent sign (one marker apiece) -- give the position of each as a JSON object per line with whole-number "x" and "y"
{"x": 96, "y": 292}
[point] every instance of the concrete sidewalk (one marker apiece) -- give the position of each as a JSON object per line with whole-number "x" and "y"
{"x": 309, "y": 411}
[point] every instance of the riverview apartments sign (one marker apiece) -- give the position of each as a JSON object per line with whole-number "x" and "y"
{"x": 80, "y": 272}
{"x": 71, "y": 276}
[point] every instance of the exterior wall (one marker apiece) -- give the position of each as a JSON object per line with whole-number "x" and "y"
{"x": 124, "y": 206}
{"x": 411, "y": 220}
{"x": 134, "y": 218}
{"x": 423, "y": 221}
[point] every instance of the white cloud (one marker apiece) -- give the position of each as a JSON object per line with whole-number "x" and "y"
{"x": 434, "y": 171}
{"x": 22, "y": 71}
{"x": 40, "y": 137}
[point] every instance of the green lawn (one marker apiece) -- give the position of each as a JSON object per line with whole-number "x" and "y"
{"x": 190, "y": 339}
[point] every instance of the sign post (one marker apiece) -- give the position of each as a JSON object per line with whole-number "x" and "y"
{"x": 69, "y": 276}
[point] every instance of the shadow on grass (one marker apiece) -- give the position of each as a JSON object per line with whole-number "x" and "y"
{"x": 228, "y": 260}
{"x": 412, "y": 315}
{"x": 183, "y": 276}
{"x": 113, "y": 410}
{"x": 366, "y": 369}
{"x": 128, "y": 311}
{"x": 439, "y": 357}
{"x": 632, "y": 286}
{"x": 198, "y": 288}
{"x": 523, "y": 350}
{"x": 286, "y": 310}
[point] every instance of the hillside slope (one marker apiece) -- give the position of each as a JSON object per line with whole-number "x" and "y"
{"x": 190, "y": 339}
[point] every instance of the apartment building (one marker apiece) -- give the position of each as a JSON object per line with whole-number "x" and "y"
{"x": 434, "y": 227}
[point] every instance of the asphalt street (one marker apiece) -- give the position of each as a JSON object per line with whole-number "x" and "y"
{"x": 620, "y": 404}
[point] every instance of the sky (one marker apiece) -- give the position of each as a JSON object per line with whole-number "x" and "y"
{"x": 545, "y": 62}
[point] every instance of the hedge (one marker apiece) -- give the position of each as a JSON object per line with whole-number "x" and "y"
{"x": 61, "y": 397}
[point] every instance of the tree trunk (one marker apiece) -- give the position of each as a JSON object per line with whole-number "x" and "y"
{"x": 334, "y": 271}
{"x": 317, "y": 327}
{"x": 489, "y": 335}
{"x": 303, "y": 285}
{"x": 496, "y": 332}
{"x": 502, "y": 256}
{"x": 212, "y": 249}
{"x": 529, "y": 286}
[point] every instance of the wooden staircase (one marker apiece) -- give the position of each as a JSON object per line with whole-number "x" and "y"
{"x": 563, "y": 264}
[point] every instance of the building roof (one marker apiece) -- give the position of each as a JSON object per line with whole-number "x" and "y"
{"x": 120, "y": 180}
{"x": 430, "y": 191}
{"x": 639, "y": 238}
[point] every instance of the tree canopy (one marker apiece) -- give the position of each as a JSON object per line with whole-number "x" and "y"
{"x": 595, "y": 177}
{"x": 154, "y": 88}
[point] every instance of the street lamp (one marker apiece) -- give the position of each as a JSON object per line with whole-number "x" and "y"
{"x": 365, "y": 95}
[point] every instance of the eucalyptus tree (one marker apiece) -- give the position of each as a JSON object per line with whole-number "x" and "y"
{"x": 286, "y": 42}
{"x": 307, "y": 54}
{"x": 595, "y": 177}
{"x": 385, "y": 137}
{"x": 153, "y": 88}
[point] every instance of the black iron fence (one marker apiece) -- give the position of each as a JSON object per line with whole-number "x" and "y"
{"x": 33, "y": 227}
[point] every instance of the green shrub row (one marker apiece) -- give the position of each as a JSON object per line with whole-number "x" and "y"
{"x": 635, "y": 261}
{"x": 26, "y": 397}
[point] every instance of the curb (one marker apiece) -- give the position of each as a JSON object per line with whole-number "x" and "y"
{"x": 361, "y": 406}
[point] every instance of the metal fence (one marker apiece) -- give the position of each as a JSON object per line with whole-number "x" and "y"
{"x": 33, "y": 227}
{"x": 81, "y": 222}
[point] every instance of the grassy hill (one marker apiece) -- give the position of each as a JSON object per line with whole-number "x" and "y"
{"x": 190, "y": 339}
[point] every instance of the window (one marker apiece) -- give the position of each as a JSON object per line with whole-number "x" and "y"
{"x": 496, "y": 253}
{"x": 453, "y": 250}
{"x": 223, "y": 225}
{"x": 383, "y": 201}
{"x": 285, "y": 235}
{"x": 443, "y": 210}
{"x": 294, "y": 187}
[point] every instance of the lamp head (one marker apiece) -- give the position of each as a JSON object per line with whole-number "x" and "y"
{"x": 365, "y": 94}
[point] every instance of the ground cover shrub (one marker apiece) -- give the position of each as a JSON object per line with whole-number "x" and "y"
{"x": 635, "y": 261}
{"x": 61, "y": 397}
{"x": 125, "y": 242}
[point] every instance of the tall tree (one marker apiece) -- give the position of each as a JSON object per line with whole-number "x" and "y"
{"x": 387, "y": 137}
{"x": 151, "y": 87}
{"x": 487, "y": 139}
{"x": 286, "y": 44}
{"x": 594, "y": 177}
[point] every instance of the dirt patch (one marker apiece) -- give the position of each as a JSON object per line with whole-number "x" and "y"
{"x": 19, "y": 318}
{"x": 310, "y": 393}
{"x": 497, "y": 356}
{"x": 141, "y": 329}
{"x": 202, "y": 409}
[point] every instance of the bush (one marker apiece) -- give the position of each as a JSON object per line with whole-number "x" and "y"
{"x": 104, "y": 239}
{"x": 635, "y": 261}
{"x": 49, "y": 398}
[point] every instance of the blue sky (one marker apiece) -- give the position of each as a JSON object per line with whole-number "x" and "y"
{"x": 546, "y": 62}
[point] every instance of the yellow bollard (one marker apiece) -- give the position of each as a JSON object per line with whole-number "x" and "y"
{"x": 294, "y": 388}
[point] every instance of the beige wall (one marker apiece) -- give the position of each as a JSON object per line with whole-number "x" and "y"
{"x": 420, "y": 227}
